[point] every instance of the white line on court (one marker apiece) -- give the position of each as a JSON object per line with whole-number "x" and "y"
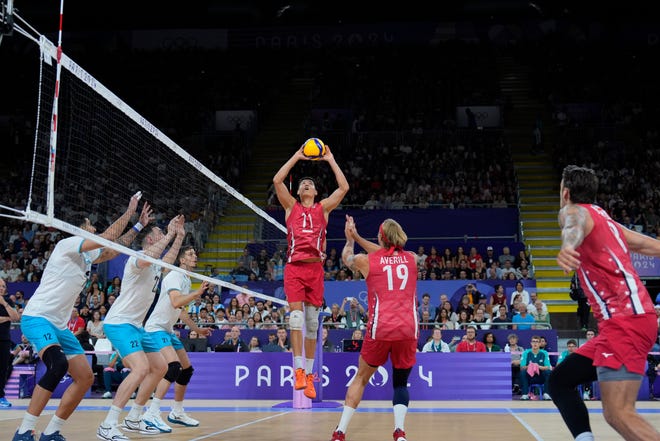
{"x": 229, "y": 429}
{"x": 532, "y": 432}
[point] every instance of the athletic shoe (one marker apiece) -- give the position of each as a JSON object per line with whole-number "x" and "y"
{"x": 4, "y": 404}
{"x": 547, "y": 397}
{"x": 111, "y": 433}
{"x": 338, "y": 436}
{"x": 525, "y": 397}
{"x": 182, "y": 419}
{"x": 154, "y": 420}
{"x": 25, "y": 436}
{"x": 585, "y": 396}
{"x": 310, "y": 392}
{"x": 399, "y": 435}
{"x": 301, "y": 382}
{"x": 140, "y": 427}
{"x": 55, "y": 436}
{"x": 107, "y": 395}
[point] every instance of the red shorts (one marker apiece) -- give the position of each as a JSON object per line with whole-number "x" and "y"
{"x": 403, "y": 353}
{"x": 303, "y": 282}
{"x": 623, "y": 341}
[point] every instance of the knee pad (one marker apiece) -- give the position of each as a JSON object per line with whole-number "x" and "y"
{"x": 56, "y": 367}
{"x": 400, "y": 377}
{"x": 311, "y": 322}
{"x": 184, "y": 377}
{"x": 173, "y": 371}
{"x": 296, "y": 320}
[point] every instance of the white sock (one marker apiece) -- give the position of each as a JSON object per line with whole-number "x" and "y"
{"x": 309, "y": 365}
{"x": 399, "y": 416}
{"x": 177, "y": 407}
{"x": 112, "y": 419}
{"x": 585, "y": 436}
{"x": 54, "y": 425}
{"x": 298, "y": 362}
{"x": 155, "y": 406}
{"x": 29, "y": 423}
{"x": 136, "y": 412}
{"x": 346, "y": 416}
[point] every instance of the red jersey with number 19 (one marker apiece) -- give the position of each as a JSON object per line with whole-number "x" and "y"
{"x": 305, "y": 232}
{"x": 606, "y": 271}
{"x": 392, "y": 287}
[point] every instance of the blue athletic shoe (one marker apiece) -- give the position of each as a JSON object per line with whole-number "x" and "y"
{"x": 55, "y": 436}
{"x": 4, "y": 404}
{"x": 27, "y": 436}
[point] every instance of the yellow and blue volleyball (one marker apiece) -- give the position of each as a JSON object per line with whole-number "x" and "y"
{"x": 314, "y": 148}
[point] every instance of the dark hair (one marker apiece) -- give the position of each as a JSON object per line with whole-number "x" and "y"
{"x": 571, "y": 342}
{"x": 582, "y": 183}
{"x": 182, "y": 251}
{"x": 306, "y": 178}
{"x": 144, "y": 233}
{"x": 486, "y": 336}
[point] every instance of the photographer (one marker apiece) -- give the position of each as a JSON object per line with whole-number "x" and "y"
{"x": 583, "y": 308}
{"x": 355, "y": 317}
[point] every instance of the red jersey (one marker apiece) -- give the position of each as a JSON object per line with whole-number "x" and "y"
{"x": 305, "y": 232}
{"x": 392, "y": 296}
{"x": 606, "y": 271}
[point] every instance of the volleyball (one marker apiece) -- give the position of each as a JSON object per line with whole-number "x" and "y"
{"x": 314, "y": 148}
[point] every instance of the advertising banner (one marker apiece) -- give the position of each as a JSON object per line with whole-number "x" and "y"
{"x": 269, "y": 376}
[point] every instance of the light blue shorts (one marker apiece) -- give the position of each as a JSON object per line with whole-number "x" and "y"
{"x": 42, "y": 333}
{"x": 163, "y": 339}
{"x": 127, "y": 338}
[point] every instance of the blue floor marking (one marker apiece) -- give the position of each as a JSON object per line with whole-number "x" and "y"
{"x": 478, "y": 410}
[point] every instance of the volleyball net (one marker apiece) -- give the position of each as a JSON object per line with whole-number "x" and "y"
{"x": 92, "y": 152}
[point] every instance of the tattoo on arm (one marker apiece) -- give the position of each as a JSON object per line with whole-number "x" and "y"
{"x": 348, "y": 256}
{"x": 572, "y": 232}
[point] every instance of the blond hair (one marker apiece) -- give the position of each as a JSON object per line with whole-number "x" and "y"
{"x": 392, "y": 234}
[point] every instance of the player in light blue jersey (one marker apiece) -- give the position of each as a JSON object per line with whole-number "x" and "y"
{"x": 123, "y": 327}
{"x": 174, "y": 295}
{"x": 44, "y": 321}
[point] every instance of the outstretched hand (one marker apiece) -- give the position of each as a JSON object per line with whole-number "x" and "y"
{"x": 568, "y": 259}
{"x": 181, "y": 230}
{"x": 145, "y": 215}
{"x": 349, "y": 228}
{"x": 328, "y": 154}
{"x": 173, "y": 226}
{"x": 133, "y": 203}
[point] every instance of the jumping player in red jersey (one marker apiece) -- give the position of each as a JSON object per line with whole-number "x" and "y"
{"x": 392, "y": 328}
{"x": 306, "y": 222}
{"x": 598, "y": 249}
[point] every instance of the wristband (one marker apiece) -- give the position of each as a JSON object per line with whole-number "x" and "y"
{"x": 138, "y": 227}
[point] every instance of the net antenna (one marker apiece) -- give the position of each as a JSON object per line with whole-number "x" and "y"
{"x": 92, "y": 151}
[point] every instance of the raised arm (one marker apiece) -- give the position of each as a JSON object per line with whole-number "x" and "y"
{"x": 576, "y": 224}
{"x": 180, "y": 232}
{"x": 117, "y": 227}
{"x": 286, "y": 200}
{"x": 368, "y": 246}
{"x": 332, "y": 201}
{"x": 127, "y": 238}
{"x": 359, "y": 262}
{"x": 156, "y": 249}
